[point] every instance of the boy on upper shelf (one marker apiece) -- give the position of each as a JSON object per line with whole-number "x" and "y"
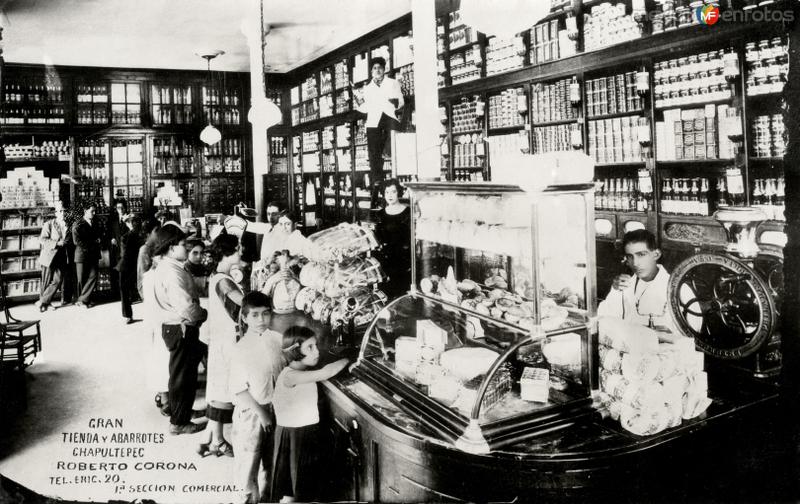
{"x": 641, "y": 297}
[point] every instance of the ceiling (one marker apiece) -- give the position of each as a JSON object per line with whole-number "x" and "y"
{"x": 168, "y": 33}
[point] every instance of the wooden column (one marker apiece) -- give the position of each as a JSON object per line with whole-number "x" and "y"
{"x": 251, "y": 28}
{"x": 426, "y": 90}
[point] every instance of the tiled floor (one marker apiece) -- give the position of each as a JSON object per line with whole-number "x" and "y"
{"x": 92, "y": 367}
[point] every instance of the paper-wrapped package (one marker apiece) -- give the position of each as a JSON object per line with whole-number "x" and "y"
{"x": 640, "y": 367}
{"x": 627, "y": 336}
{"x": 645, "y": 422}
{"x": 695, "y": 400}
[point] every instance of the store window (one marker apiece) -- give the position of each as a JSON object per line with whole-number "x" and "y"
{"x": 171, "y": 104}
{"x": 125, "y": 103}
{"x": 126, "y": 167}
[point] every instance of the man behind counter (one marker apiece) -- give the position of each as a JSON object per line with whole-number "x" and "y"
{"x": 643, "y": 296}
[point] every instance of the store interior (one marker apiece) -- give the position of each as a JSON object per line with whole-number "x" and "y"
{"x": 532, "y": 140}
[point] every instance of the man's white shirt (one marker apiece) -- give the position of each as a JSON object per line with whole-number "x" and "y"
{"x": 376, "y": 100}
{"x": 640, "y": 300}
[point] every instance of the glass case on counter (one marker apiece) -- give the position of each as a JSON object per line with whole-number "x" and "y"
{"x": 493, "y": 342}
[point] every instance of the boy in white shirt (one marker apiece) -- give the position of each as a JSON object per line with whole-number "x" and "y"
{"x": 255, "y": 364}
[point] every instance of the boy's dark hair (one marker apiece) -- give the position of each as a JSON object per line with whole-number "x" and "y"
{"x": 275, "y": 204}
{"x": 293, "y": 338}
{"x": 379, "y": 60}
{"x": 166, "y": 237}
{"x": 640, "y": 236}
{"x": 224, "y": 245}
{"x": 87, "y": 205}
{"x": 194, "y": 242}
{"x": 151, "y": 225}
{"x": 254, "y": 299}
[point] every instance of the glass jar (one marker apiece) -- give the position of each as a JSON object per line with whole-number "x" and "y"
{"x": 751, "y": 52}
{"x": 658, "y": 23}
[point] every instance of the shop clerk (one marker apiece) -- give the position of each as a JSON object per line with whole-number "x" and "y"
{"x": 382, "y": 101}
{"x": 643, "y": 296}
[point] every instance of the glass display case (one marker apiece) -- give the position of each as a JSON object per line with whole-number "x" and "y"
{"x": 493, "y": 343}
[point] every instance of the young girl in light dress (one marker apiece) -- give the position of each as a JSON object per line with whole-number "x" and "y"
{"x": 294, "y": 476}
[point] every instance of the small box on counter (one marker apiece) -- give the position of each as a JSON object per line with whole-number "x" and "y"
{"x": 535, "y": 385}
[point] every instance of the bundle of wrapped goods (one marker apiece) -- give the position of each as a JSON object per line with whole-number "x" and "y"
{"x": 650, "y": 380}
{"x": 335, "y": 285}
{"x": 346, "y": 240}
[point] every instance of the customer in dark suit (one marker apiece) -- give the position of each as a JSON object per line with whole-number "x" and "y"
{"x": 129, "y": 254}
{"x": 52, "y": 258}
{"x": 86, "y": 236}
{"x": 116, "y": 229}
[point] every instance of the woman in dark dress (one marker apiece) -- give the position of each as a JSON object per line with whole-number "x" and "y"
{"x": 393, "y": 231}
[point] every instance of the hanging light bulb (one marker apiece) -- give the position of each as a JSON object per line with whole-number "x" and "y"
{"x": 264, "y": 113}
{"x": 210, "y": 135}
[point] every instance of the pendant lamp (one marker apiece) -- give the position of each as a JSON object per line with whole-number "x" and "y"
{"x": 210, "y": 134}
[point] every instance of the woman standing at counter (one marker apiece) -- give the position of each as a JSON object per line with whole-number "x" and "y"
{"x": 224, "y": 304}
{"x": 393, "y": 231}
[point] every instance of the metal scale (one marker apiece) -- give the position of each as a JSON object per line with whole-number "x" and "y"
{"x": 729, "y": 302}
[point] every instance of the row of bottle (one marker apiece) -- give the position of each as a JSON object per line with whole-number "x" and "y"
{"x": 122, "y": 116}
{"x": 506, "y": 109}
{"x": 36, "y": 93}
{"x": 277, "y": 147}
{"x": 97, "y": 172}
{"x": 460, "y": 175}
{"x": 223, "y": 115}
{"x": 167, "y": 148}
{"x": 227, "y": 164}
{"x": 178, "y": 114}
{"x": 621, "y": 195}
{"x": 169, "y": 165}
{"x": 96, "y": 115}
{"x": 612, "y": 95}
{"x": 769, "y": 194}
{"x": 92, "y": 94}
{"x": 37, "y": 115}
{"x": 213, "y": 96}
{"x": 690, "y": 196}
{"x": 227, "y": 147}
{"x": 553, "y": 102}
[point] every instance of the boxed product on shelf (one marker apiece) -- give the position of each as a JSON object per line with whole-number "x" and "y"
{"x": 607, "y": 25}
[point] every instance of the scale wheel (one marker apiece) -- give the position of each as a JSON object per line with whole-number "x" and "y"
{"x": 722, "y": 303}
